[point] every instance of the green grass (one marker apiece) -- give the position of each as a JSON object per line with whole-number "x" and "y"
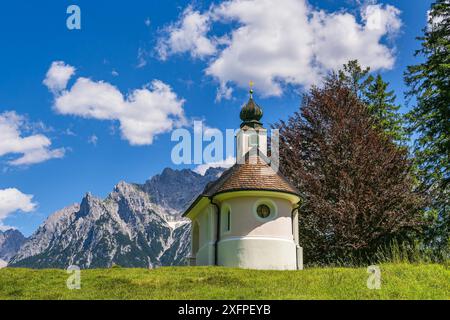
{"x": 399, "y": 281}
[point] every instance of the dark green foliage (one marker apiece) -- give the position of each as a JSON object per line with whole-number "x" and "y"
{"x": 354, "y": 77}
{"x": 380, "y": 101}
{"x": 381, "y": 104}
{"x": 429, "y": 119}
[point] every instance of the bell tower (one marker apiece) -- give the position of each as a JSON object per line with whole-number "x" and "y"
{"x": 248, "y": 217}
{"x": 252, "y": 134}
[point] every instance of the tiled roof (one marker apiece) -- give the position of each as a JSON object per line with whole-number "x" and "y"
{"x": 254, "y": 174}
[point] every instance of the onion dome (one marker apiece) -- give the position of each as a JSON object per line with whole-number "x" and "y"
{"x": 251, "y": 113}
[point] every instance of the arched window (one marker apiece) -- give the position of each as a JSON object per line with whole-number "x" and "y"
{"x": 226, "y": 218}
{"x": 195, "y": 238}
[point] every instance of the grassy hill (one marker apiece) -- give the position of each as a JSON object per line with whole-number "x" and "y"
{"x": 399, "y": 281}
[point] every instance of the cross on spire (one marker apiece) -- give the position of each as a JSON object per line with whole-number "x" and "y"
{"x": 251, "y": 83}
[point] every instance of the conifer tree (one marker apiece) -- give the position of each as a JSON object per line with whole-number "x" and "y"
{"x": 373, "y": 91}
{"x": 429, "y": 119}
{"x": 382, "y": 106}
{"x": 355, "y": 77}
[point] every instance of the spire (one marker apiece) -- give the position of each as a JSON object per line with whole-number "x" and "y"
{"x": 251, "y": 113}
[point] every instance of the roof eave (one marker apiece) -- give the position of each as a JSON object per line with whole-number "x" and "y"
{"x": 293, "y": 197}
{"x": 197, "y": 206}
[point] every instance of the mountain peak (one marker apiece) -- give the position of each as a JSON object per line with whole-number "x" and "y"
{"x": 216, "y": 172}
{"x": 11, "y": 232}
{"x": 10, "y": 242}
{"x": 6, "y": 231}
{"x": 124, "y": 187}
{"x": 87, "y": 203}
{"x": 175, "y": 189}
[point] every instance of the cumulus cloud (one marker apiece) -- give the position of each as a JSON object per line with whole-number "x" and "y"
{"x": 142, "y": 114}
{"x": 13, "y": 200}
{"x": 227, "y": 163}
{"x": 287, "y": 42}
{"x": 33, "y": 148}
{"x": 58, "y": 75}
{"x": 189, "y": 34}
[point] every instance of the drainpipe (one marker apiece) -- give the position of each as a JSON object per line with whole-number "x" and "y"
{"x": 292, "y": 215}
{"x": 293, "y": 228}
{"x": 216, "y": 243}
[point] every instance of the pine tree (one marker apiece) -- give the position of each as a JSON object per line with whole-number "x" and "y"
{"x": 381, "y": 105}
{"x": 355, "y": 77}
{"x": 429, "y": 119}
{"x": 374, "y": 93}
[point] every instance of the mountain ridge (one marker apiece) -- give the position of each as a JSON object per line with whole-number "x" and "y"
{"x": 10, "y": 242}
{"x": 135, "y": 225}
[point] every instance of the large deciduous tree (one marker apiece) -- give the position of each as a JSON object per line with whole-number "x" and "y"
{"x": 356, "y": 183}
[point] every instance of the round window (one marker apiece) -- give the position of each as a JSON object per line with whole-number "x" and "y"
{"x": 263, "y": 211}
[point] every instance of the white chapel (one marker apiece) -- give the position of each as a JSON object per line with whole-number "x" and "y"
{"x": 248, "y": 217}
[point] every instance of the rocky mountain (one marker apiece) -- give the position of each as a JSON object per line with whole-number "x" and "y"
{"x": 136, "y": 225}
{"x": 10, "y": 242}
{"x": 176, "y": 189}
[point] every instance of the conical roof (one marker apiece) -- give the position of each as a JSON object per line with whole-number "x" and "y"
{"x": 255, "y": 174}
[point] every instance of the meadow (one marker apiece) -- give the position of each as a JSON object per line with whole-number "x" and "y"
{"x": 398, "y": 281}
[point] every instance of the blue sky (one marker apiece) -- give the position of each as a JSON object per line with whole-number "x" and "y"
{"x": 127, "y": 45}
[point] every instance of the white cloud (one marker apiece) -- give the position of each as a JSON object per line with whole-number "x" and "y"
{"x": 340, "y": 38}
{"x": 69, "y": 132}
{"x": 58, "y": 75}
{"x": 433, "y": 21}
{"x": 142, "y": 58}
{"x": 143, "y": 114}
{"x": 284, "y": 42}
{"x": 383, "y": 19}
{"x": 33, "y": 148}
{"x": 227, "y": 163}
{"x": 187, "y": 35}
{"x": 223, "y": 92}
{"x": 13, "y": 200}
{"x": 93, "y": 139}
